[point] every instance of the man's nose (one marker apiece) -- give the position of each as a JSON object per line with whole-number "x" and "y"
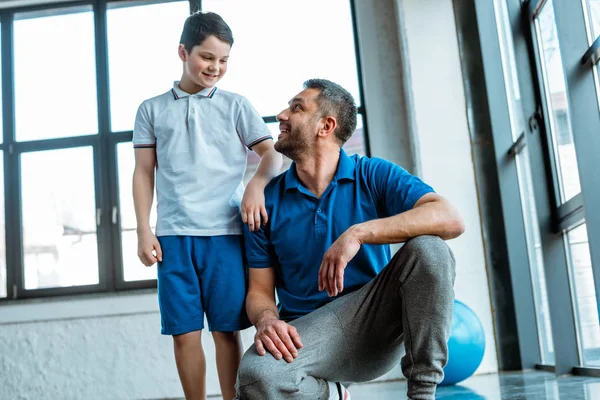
{"x": 282, "y": 116}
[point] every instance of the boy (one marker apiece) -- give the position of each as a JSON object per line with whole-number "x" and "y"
{"x": 196, "y": 138}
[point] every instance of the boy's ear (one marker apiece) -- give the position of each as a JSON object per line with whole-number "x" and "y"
{"x": 182, "y": 53}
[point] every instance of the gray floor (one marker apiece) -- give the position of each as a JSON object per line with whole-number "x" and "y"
{"x": 531, "y": 385}
{"x": 513, "y": 386}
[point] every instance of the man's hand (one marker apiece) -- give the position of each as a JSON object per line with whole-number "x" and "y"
{"x": 279, "y": 337}
{"x": 331, "y": 273}
{"x": 253, "y": 206}
{"x": 149, "y": 250}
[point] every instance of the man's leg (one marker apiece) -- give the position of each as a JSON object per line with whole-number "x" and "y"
{"x": 411, "y": 300}
{"x": 323, "y": 354}
{"x": 191, "y": 364}
{"x": 359, "y": 336}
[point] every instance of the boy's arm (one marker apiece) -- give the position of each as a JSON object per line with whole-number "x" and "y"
{"x": 143, "y": 193}
{"x": 278, "y": 337}
{"x": 253, "y": 203}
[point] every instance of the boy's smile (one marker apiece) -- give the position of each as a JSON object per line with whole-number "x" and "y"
{"x": 205, "y": 65}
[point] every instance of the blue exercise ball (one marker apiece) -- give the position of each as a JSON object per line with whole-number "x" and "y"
{"x": 465, "y": 346}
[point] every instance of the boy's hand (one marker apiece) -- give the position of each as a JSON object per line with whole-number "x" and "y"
{"x": 149, "y": 250}
{"x": 253, "y": 206}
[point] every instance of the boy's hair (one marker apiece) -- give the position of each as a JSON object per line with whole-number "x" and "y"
{"x": 199, "y": 26}
{"x": 336, "y": 101}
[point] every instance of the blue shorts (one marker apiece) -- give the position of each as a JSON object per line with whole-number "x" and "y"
{"x": 198, "y": 275}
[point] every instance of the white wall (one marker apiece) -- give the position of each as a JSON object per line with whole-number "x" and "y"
{"x": 110, "y": 347}
{"x": 445, "y": 148}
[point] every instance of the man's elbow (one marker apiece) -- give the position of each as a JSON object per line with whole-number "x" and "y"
{"x": 455, "y": 227}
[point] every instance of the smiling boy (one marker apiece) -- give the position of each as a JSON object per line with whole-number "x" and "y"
{"x": 193, "y": 141}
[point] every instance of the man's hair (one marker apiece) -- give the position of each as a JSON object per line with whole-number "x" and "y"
{"x": 336, "y": 101}
{"x": 199, "y": 26}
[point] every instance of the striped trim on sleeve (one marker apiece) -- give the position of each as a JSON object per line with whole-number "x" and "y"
{"x": 144, "y": 146}
{"x": 257, "y": 141}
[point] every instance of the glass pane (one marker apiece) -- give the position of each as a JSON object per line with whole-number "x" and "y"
{"x": 59, "y": 225}
{"x": 556, "y": 97}
{"x": 55, "y": 75}
{"x": 536, "y": 259}
{"x": 525, "y": 186}
{"x": 133, "y": 269}
{"x": 304, "y": 53}
{"x": 593, "y": 23}
{"x": 1, "y": 108}
{"x": 593, "y": 14}
{"x": 3, "y": 288}
{"x": 584, "y": 295}
{"x": 143, "y": 60}
{"x": 355, "y": 145}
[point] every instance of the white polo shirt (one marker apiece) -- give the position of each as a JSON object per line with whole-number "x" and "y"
{"x": 202, "y": 143}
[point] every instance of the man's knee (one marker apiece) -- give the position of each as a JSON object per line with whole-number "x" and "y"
{"x": 258, "y": 374}
{"x": 433, "y": 255}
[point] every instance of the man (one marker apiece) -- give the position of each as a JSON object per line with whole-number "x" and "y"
{"x": 345, "y": 308}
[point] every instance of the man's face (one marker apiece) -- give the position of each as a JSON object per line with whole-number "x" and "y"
{"x": 298, "y": 125}
{"x": 206, "y": 64}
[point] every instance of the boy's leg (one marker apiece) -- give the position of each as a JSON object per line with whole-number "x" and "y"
{"x": 359, "y": 336}
{"x": 182, "y": 315}
{"x": 228, "y": 346}
{"x": 222, "y": 275}
{"x": 191, "y": 364}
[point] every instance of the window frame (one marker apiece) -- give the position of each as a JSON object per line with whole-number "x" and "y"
{"x": 555, "y": 219}
{"x": 104, "y": 144}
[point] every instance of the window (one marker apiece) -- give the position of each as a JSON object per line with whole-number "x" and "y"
{"x": 3, "y": 288}
{"x": 593, "y": 24}
{"x": 558, "y": 107}
{"x": 69, "y": 148}
{"x": 133, "y": 269}
{"x": 59, "y": 218}
{"x": 270, "y": 61}
{"x": 531, "y": 222}
{"x": 584, "y": 295}
{"x": 55, "y": 74}
{"x": 142, "y": 55}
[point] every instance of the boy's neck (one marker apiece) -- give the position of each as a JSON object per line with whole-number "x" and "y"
{"x": 188, "y": 86}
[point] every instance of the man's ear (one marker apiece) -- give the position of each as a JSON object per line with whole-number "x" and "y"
{"x": 328, "y": 127}
{"x": 183, "y": 55}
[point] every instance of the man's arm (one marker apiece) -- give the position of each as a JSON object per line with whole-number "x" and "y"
{"x": 431, "y": 215}
{"x": 253, "y": 203}
{"x": 278, "y": 337}
{"x": 143, "y": 193}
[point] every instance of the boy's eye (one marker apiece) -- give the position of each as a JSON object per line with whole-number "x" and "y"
{"x": 207, "y": 58}
{"x": 223, "y": 61}
{"x": 296, "y": 107}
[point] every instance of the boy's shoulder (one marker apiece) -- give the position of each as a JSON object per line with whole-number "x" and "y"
{"x": 231, "y": 97}
{"x": 158, "y": 100}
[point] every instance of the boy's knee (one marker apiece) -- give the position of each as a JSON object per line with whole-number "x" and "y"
{"x": 188, "y": 339}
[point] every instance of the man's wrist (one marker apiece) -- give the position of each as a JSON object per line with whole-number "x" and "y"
{"x": 266, "y": 316}
{"x": 358, "y": 232}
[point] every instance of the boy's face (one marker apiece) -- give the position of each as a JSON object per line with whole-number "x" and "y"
{"x": 206, "y": 64}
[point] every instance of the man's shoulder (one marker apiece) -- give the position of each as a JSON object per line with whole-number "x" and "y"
{"x": 273, "y": 189}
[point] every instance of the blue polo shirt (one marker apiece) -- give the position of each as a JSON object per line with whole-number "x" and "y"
{"x": 302, "y": 227}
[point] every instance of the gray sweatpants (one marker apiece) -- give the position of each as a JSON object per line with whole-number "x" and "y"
{"x": 359, "y": 336}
